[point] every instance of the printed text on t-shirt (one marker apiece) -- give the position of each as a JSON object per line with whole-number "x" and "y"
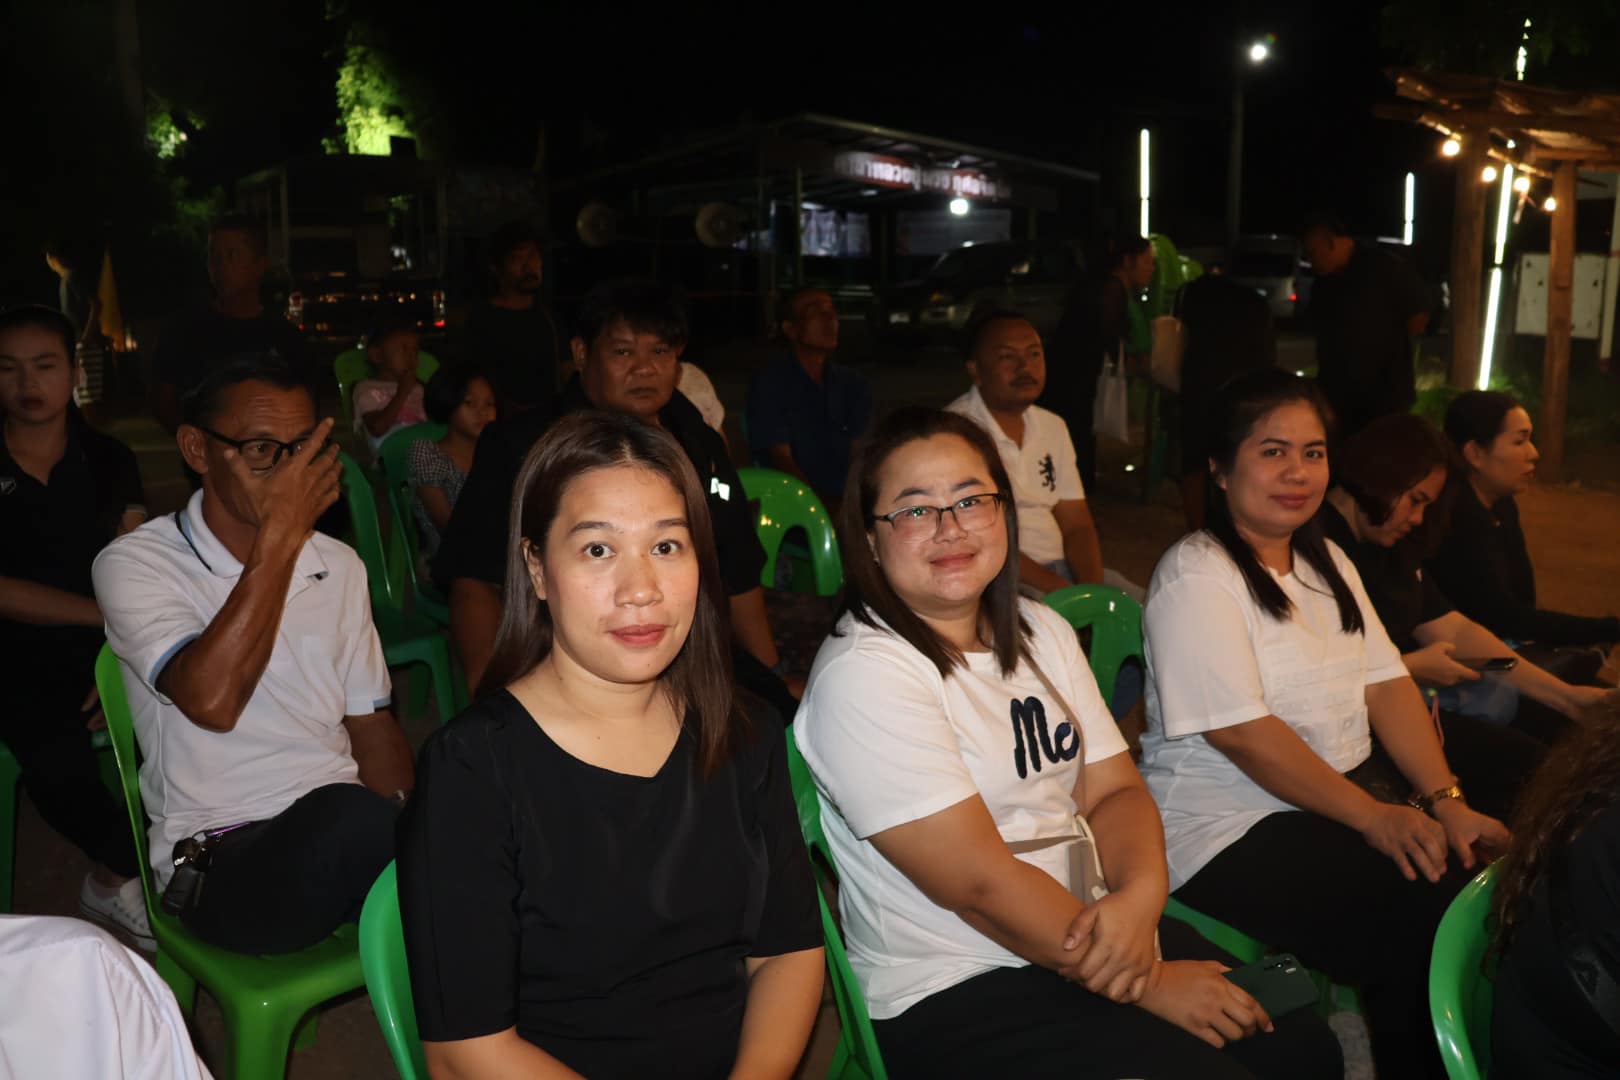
{"x": 1031, "y": 738}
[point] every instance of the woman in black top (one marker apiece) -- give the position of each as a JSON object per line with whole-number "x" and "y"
{"x": 1386, "y": 478}
{"x": 601, "y": 872}
{"x": 1483, "y": 565}
{"x": 1556, "y": 1006}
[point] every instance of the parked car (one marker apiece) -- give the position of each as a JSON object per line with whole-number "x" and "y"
{"x": 1271, "y": 266}
{"x": 1029, "y": 276}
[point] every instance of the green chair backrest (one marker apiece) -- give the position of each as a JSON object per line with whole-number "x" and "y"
{"x": 121, "y": 732}
{"x": 787, "y": 503}
{"x": 394, "y": 457}
{"x": 1459, "y": 991}
{"x": 857, "y": 1053}
{"x": 388, "y": 977}
{"x": 1116, "y": 627}
{"x": 361, "y": 500}
{"x": 352, "y": 365}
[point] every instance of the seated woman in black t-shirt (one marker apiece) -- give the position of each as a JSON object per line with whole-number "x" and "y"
{"x": 1386, "y": 477}
{"x": 1556, "y": 1007}
{"x": 601, "y": 871}
{"x": 1484, "y": 565}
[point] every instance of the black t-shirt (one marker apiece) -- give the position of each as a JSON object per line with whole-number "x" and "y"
{"x": 606, "y": 916}
{"x": 474, "y": 544}
{"x": 1096, "y": 317}
{"x": 1363, "y": 349}
{"x": 1484, "y": 566}
{"x": 51, "y": 534}
{"x": 1542, "y": 1027}
{"x": 1229, "y": 330}
{"x": 195, "y": 342}
{"x": 518, "y": 349}
{"x": 1403, "y": 596}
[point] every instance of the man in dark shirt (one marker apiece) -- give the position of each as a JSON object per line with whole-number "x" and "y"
{"x": 65, "y": 491}
{"x": 627, "y": 351}
{"x": 511, "y": 336}
{"x": 234, "y": 323}
{"x": 804, "y": 411}
{"x": 1367, "y": 306}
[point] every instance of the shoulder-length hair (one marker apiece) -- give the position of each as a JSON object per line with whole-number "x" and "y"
{"x": 699, "y": 679}
{"x": 1389, "y": 457}
{"x": 1579, "y": 780}
{"x": 1233, "y": 413}
{"x": 867, "y": 593}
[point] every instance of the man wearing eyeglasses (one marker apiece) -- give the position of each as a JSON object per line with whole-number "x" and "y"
{"x": 256, "y": 681}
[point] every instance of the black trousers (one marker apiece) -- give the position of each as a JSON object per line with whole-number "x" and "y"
{"x": 44, "y": 729}
{"x": 285, "y": 883}
{"x": 1031, "y": 1022}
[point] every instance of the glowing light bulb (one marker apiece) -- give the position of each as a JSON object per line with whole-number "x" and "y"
{"x": 1550, "y": 205}
{"x": 1451, "y": 148}
{"x": 1488, "y": 174}
{"x": 1521, "y": 184}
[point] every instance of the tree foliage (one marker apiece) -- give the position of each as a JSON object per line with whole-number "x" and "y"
{"x": 1568, "y": 40}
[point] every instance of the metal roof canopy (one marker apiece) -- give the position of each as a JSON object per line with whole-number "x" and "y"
{"x": 812, "y": 144}
{"x": 1539, "y": 130}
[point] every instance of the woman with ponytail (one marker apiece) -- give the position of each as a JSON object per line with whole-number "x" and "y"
{"x": 1270, "y": 678}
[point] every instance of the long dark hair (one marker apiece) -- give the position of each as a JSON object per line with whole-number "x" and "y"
{"x": 1579, "y": 780}
{"x": 699, "y": 679}
{"x": 867, "y": 593}
{"x": 1237, "y": 407}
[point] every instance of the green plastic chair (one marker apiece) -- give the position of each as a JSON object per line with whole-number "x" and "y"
{"x": 265, "y": 999}
{"x": 352, "y": 365}
{"x": 1460, "y": 992}
{"x": 1116, "y": 628}
{"x": 857, "y": 1054}
{"x": 405, "y": 545}
{"x": 786, "y": 504}
{"x": 407, "y": 638}
{"x": 388, "y": 977}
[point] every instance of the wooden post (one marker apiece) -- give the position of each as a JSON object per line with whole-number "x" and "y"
{"x": 1560, "y": 305}
{"x": 1467, "y": 263}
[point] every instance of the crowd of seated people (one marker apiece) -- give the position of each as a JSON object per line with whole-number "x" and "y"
{"x": 600, "y": 864}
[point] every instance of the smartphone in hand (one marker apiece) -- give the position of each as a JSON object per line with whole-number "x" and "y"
{"x": 1280, "y": 983}
{"x": 1488, "y": 663}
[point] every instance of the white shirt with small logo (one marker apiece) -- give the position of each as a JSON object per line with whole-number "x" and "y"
{"x": 890, "y": 741}
{"x": 1042, "y": 470}
{"x": 159, "y": 587}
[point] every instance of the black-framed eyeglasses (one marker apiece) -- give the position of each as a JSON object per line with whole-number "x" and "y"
{"x": 259, "y": 454}
{"x": 972, "y": 513}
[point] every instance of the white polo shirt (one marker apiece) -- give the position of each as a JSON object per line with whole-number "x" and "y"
{"x": 1043, "y": 472}
{"x": 159, "y": 587}
{"x": 890, "y": 741}
{"x": 1215, "y": 659}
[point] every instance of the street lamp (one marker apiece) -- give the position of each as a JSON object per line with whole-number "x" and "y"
{"x": 1257, "y": 52}
{"x": 960, "y": 206}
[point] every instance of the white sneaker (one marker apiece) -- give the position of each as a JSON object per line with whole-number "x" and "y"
{"x": 123, "y": 908}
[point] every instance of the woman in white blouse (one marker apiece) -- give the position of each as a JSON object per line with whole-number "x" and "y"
{"x": 1270, "y": 679}
{"x": 948, "y": 723}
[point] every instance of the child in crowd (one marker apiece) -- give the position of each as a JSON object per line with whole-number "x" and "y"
{"x": 66, "y": 490}
{"x": 463, "y": 400}
{"x": 392, "y": 399}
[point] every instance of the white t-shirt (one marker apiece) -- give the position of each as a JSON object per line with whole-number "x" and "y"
{"x": 159, "y": 588}
{"x": 1215, "y": 659}
{"x": 81, "y": 1006}
{"x": 699, "y": 390}
{"x": 1043, "y": 472}
{"x": 889, "y": 741}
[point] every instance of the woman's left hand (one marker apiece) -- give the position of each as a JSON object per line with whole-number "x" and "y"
{"x": 1120, "y": 954}
{"x": 1585, "y": 703}
{"x": 1467, "y": 828}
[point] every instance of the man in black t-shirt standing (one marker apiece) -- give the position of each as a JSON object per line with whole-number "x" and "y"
{"x": 511, "y": 336}
{"x": 627, "y": 351}
{"x": 1368, "y": 307}
{"x": 233, "y": 323}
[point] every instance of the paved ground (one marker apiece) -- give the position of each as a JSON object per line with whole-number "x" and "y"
{"x": 1572, "y": 535}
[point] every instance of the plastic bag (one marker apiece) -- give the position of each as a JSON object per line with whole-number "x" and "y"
{"x": 1111, "y": 414}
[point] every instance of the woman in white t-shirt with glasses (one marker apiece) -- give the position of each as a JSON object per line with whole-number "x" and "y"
{"x": 1269, "y": 675}
{"x": 940, "y": 723}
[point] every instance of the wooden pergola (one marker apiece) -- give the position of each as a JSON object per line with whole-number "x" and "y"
{"x": 1539, "y": 131}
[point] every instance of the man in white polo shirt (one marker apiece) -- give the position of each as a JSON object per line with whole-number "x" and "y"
{"x": 1057, "y": 538}
{"x": 257, "y": 683}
